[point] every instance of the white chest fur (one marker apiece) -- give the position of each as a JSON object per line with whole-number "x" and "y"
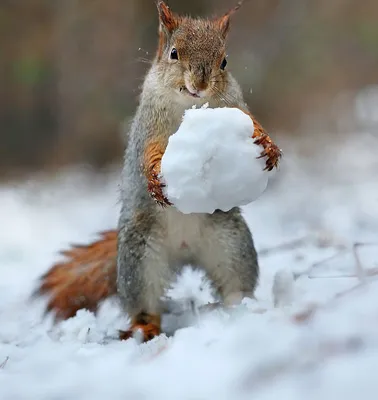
{"x": 184, "y": 232}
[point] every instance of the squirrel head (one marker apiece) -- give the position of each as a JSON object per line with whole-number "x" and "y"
{"x": 192, "y": 52}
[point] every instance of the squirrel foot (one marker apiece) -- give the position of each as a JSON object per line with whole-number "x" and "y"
{"x": 148, "y": 332}
{"x": 155, "y": 188}
{"x": 271, "y": 151}
{"x": 148, "y": 325}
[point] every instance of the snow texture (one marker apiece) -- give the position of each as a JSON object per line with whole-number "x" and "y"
{"x": 211, "y": 162}
{"x": 304, "y": 228}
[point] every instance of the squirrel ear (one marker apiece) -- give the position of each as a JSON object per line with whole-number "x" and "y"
{"x": 224, "y": 21}
{"x": 168, "y": 21}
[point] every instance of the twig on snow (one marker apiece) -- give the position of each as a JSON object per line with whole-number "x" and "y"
{"x": 4, "y": 363}
{"x": 319, "y": 263}
{"x": 293, "y": 244}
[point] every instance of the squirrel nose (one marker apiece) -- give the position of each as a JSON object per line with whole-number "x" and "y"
{"x": 200, "y": 85}
{"x": 199, "y": 77}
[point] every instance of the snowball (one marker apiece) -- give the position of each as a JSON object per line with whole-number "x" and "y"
{"x": 211, "y": 162}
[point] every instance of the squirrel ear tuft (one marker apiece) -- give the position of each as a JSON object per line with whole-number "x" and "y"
{"x": 168, "y": 21}
{"x": 224, "y": 21}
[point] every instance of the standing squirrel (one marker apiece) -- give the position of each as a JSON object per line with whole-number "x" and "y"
{"x": 138, "y": 261}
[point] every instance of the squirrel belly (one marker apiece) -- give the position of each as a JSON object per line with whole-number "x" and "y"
{"x": 138, "y": 261}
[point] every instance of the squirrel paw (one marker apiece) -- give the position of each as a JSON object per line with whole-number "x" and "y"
{"x": 155, "y": 188}
{"x": 148, "y": 332}
{"x": 145, "y": 325}
{"x": 271, "y": 151}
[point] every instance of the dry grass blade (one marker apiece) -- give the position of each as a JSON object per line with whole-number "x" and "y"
{"x": 294, "y": 244}
{"x": 4, "y": 363}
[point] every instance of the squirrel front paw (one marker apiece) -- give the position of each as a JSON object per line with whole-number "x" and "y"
{"x": 155, "y": 188}
{"x": 271, "y": 151}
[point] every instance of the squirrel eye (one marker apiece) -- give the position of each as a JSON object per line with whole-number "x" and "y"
{"x": 174, "y": 55}
{"x": 224, "y": 63}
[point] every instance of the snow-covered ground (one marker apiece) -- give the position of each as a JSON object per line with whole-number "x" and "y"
{"x": 317, "y": 207}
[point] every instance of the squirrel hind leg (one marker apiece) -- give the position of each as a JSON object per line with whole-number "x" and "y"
{"x": 144, "y": 273}
{"x": 229, "y": 257}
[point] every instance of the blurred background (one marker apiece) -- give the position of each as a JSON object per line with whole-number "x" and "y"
{"x": 70, "y": 72}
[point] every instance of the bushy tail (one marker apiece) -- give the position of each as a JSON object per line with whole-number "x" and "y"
{"x": 84, "y": 279}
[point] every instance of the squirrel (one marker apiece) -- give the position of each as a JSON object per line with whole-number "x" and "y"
{"x": 137, "y": 261}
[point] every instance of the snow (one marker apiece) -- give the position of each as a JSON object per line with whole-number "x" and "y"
{"x": 211, "y": 162}
{"x": 313, "y": 344}
{"x": 283, "y": 288}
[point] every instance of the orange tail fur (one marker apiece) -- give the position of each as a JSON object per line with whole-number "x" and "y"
{"x": 84, "y": 279}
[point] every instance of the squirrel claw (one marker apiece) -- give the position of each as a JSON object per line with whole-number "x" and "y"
{"x": 155, "y": 188}
{"x": 271, "y": 151}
